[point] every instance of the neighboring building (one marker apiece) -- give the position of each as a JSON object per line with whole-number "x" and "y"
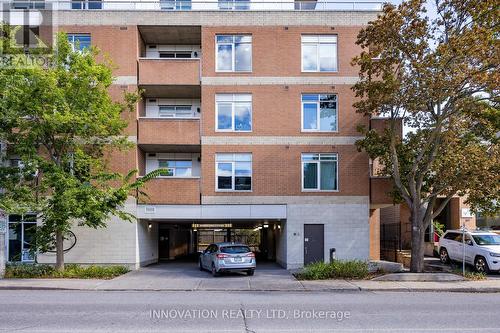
{"x": 395, "y": 226}
{"x": 248, "y": 107}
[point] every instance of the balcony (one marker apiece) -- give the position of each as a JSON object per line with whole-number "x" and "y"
{"x": 170, "y": 72}
{"x": 172, "y": 191}
{"x": 154, "y": 132}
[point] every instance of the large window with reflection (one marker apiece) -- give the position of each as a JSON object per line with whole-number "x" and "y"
{"x": 233, "y": 112}
{"x": 234, "y": 53}
{"x": 319, "y": 53}
{"x": 319, "y": 113}
{"x": 233, "y": 172}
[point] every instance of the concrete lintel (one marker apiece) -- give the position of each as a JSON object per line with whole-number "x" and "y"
{"x": 210, "y": 212}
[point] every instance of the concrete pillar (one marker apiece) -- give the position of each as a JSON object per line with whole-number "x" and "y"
{"x": 375, "y": 234}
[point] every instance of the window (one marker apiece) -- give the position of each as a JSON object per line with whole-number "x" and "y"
{"x": 234, "y": 172}
{"x": 175, "y": 4}
{"x": 319, "y": 172}
{"x": 452, "y": 235}
{"x": 234, "y": 53}
{"x": 175, "y": 168}
{"x": 319, "y": 53}
{"x": 175, "y": 111}
{"x": 21, "y": 235}
{"x": 86, "y": 4}
{"x": 79, "y": 42}
{"x": 319, "y": 112}
{"x": 234, "y": 4}
{"x": 233, "y": 112}
{"x": 175, "y": 54}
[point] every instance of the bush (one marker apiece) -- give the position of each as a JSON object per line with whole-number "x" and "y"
{"x": 71, "y": 271}
{"x": 339, "y": 269}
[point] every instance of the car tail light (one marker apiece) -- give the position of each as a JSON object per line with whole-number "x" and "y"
{"x": 251, "y": 255}
{"x": 222, "y": 256}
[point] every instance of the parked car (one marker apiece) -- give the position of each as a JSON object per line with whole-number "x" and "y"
{"x": 482, "y": 249}
{"x": 227, "y": 257}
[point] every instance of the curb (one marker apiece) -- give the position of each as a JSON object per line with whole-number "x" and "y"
{"x": 323, "y": 290}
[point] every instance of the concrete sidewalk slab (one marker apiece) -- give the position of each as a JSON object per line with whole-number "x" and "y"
{"x": 268, "y": 277}
{"x": 422, "y": 277}
{"x": 61, "y": 284}
{"x": 330, "y": 285}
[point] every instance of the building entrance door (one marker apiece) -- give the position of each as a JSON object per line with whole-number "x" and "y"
{"x": 314, "y": 243}
{"x": 164, "y": 244}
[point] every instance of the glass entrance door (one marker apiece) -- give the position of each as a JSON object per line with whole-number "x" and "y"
{"x": 21, "y": 236}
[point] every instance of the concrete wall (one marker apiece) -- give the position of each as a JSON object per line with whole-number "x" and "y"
{"x": 147, "y": 242}
{"x": 115, "y": 244}
{"x": 346, "y": 230}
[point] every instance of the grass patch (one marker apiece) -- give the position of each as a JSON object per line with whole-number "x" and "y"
{"x": 71, "y": 271}
{"x": 338, "y": 269}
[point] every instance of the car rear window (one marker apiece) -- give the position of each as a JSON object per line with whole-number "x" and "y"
{"x": 451, "y": 235}
{"x": 235, "y": 249}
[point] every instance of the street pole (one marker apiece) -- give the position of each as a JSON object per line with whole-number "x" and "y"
{"x": 3, "y": 230}
{"x": 2, "y": 254}
{"x": 463, "y": 247}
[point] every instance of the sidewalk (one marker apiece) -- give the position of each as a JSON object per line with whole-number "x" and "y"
{"x": 127, "y": 283}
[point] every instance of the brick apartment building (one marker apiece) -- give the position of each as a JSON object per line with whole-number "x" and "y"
{"x": 248, "y": 106}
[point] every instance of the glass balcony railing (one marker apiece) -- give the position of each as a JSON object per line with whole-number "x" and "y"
{"x": 196, "y": 5}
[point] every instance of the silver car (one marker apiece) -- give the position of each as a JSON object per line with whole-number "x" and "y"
{"x": 227, "y": 257}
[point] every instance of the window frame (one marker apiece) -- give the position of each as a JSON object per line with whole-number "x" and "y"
{"x": 318, "y": 65}
{"x": 318, "y": 172}
{"x": 159, "y": 160}
{"x": 233, "y": 172}
{"x": 318, "y": 113}
{"x": 233, "y": 53}
{"x": 234, "y": 101}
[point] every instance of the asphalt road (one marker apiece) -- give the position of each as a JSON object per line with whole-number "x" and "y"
{"x": 88, "y": 311}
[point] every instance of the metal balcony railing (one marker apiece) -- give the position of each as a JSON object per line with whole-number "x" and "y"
{"x": 195, "y": 5}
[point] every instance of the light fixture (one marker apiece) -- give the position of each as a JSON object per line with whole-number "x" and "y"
{"x": 259, "y": 227}
{"x": 150, "y": 225}
{"x": 279, "y": 226}
{"x": 266, "y": 225}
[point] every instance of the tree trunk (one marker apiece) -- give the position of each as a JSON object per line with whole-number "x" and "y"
{"x": 417, "y": 239}
{"x": 59, "y": 251}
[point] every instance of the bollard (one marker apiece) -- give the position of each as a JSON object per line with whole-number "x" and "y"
{"x": 332, "y": 254}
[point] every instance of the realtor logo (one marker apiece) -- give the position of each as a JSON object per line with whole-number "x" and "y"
{"x": 27, "y": 27}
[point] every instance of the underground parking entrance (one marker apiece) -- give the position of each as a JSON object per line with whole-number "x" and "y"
{"x": 183, "y": 241}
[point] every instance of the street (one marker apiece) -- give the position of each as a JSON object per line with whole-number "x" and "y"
{"x": 197, "y": 311}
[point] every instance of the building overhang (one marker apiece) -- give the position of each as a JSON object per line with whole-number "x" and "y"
{"x": 210, "y": 212}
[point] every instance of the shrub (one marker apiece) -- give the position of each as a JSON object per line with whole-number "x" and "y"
{"x": 28, "y": 271}
{"x": 72, "y": 271}
{"x": 338, "y": 269}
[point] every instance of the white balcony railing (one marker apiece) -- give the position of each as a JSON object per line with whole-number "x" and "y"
{"x": 196, "y": 5}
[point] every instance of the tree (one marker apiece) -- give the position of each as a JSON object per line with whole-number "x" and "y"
{"x": 440, "y": 77}
{"x": 59, "y": 120}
